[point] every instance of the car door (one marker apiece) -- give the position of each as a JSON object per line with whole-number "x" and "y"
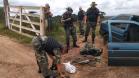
{"x": 124, "y": 52}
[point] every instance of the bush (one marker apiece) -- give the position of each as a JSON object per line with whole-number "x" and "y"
{"x": 1, "y": 13}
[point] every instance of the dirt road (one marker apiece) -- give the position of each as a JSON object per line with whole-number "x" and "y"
{"x": 18, "y": 61}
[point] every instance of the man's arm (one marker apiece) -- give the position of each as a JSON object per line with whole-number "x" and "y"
{"x": 48, "y": 12}
{"x": 98, "y": 18}
{"x": 85, "y": 16}
{"x": 68, "y": 19}
{"x": 85, "y": 19}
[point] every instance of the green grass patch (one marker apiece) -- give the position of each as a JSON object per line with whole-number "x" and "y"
{"x": 58, "y": 34}
{"x": 20, "y": 38}
{"x": 97, "y": 30}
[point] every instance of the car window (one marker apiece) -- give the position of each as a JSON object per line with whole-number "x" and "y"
{"x": 125, "y": 32}
{"x": 119, "y": 31}
{"x": 133, "y": 34}
{"x": 135, "y": 18}
{"x": 119, "y": 25}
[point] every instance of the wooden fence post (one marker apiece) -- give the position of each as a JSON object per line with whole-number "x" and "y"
{"x": 20, "y": 19}
{"x": 6, "y": 10}
{"x": 42, "y": 22}
{"x": 8, "y": 16}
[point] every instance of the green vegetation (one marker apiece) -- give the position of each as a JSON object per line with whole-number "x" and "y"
{"x": 58, "y": 35}
{"x": 1, "y": 13}
{"x": 58, "y": 31}
{"x": 6, "y": 32}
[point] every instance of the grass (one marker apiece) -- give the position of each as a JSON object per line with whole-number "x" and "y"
{"x": 58, "y": 33}
{"x": 97, "y": 30}
{"x": 6, "y": 32}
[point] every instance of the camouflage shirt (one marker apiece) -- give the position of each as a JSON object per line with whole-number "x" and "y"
{"x": 48, "y": 45}
{"x": 81, "y": 15}
{"x": 67, "y": 15}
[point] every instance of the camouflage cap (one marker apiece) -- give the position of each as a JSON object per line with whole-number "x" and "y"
{"x": 37, "y": 40}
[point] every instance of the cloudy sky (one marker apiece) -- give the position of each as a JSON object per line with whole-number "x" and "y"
{"x": 111, "y": 7}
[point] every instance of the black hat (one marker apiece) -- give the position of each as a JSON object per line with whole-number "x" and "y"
{"x": 93, "y": 3}
{"x": 69, "y": 9}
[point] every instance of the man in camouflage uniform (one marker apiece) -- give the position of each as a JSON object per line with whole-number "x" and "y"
{"x": 81, "y": 15}
{"x": 48, "y": 16}
{"x": 69, "y": 28}
{"x": 43, "y": 47}
{"x": 92, "y": 15}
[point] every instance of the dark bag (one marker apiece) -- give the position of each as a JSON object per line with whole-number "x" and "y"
{"x": 92, "y": 51}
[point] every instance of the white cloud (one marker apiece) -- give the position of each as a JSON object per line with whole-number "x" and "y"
{"x": 114, "y": 7}
{"x": 111, "y": 7}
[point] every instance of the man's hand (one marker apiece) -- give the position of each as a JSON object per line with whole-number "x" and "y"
{"x": 68, "y": 19}
{"x": 84, "y": 22}
{"x": 62, "y": 21}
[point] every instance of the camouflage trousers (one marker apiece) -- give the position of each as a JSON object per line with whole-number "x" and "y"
{"x": 56, "y": 58}
{"x": 90, "y": 25}
{"x": 49, "y": 23}
{"x": 70, "y": 31}
{"x": 42, "y": 61}
{"x": 81, "y": 27}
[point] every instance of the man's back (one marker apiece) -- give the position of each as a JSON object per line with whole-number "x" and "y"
{"x": 47, "y": 44}
{"x": 52, "y": 44}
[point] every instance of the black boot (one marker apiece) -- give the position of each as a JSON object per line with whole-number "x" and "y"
{"x": 68, "y": 47}
{"x": 47, "y": 77}
{"x": 85, "y": 40}
{"x": 92, "y": 41}
{"x": 39, "y": 71}
{"x": 75, "y": 45}
{"x": 93, "y": 38}
{"x": 53, "y": 67}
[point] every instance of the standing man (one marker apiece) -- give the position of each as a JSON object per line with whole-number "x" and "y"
{"x": 69, "y": 28}
{"x": 48, "y": 16}
{"x": 44, "y": 47}
{"x": 91, "y": 18}
{"x": 81, "y": 15}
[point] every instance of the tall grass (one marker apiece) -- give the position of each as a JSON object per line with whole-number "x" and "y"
{"x": 6, "y": 32}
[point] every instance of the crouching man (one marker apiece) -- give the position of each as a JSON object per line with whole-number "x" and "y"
{"x": 43, "y": 47}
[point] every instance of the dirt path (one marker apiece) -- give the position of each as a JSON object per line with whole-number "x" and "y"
{"x": 18, "y": 61}
{"x": 101, "y": 70}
